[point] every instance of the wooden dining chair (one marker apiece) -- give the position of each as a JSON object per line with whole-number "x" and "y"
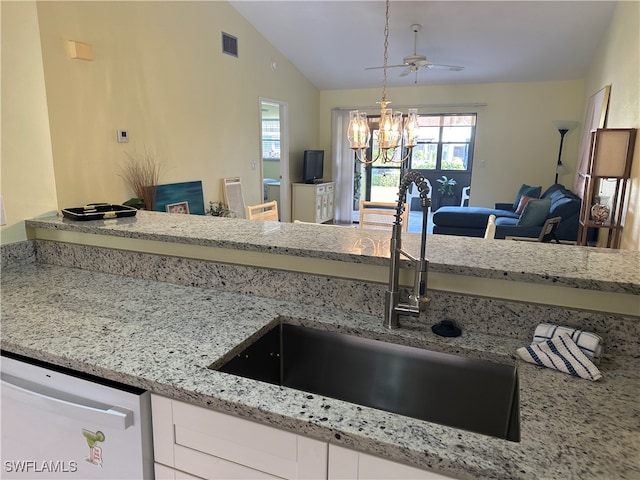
{"x": 264, "y": 211}
{"x": 381, "y": 215}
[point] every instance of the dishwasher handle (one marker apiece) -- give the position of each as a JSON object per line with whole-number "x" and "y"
{"x": 66, "y": 404}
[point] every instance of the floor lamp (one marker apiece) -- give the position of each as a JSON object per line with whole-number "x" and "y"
{"x": 563, "y": 127}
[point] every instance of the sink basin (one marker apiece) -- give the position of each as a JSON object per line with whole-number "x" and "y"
{"x": 452, "y": 390}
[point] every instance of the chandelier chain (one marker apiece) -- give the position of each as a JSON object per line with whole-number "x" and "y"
{"x": 386, "y": 48}
{"x": 393, "y": 133}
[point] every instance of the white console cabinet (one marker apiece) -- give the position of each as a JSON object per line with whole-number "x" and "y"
{"x": 313, "y": 203}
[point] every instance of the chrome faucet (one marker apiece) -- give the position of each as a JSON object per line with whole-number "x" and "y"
{"x": 418, "y": 300}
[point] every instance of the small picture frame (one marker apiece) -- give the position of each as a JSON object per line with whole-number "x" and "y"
{"x": 180, "y": 207}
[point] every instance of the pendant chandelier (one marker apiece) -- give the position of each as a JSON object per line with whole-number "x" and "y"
{"x": 394, "y": 130}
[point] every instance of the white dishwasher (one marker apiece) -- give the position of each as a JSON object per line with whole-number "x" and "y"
{"x": 58, "y": 424}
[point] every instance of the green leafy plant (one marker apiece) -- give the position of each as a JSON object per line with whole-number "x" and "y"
{"x": 446, "y": 186}
{"x": 219, "y": 209}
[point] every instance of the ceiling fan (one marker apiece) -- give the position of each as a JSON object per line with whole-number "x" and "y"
{"x": 412, "y": 63}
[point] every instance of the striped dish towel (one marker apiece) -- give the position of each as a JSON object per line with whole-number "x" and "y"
{"x": 561, "y": 353}
{"x": 589, "y": 343}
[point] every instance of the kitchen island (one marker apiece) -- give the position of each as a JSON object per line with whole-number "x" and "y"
{"x": 162, "y": 337}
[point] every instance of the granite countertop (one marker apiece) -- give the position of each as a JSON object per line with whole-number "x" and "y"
{"x": 162, "y": 337}
{"x": 573, "y": 266}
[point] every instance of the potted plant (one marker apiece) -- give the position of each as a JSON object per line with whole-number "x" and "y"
{"x": 142, "y": 172}
{"x": 446, "y": 190}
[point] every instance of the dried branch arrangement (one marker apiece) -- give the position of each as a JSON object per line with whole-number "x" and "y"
{"x": 142, "y": 171}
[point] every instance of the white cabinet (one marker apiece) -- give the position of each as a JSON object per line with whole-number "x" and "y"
{"x": 313, "y": 202}
{"x": 197, "y": 443}
{"x": 208, "y": 444}
{"x": 345, "y": 464}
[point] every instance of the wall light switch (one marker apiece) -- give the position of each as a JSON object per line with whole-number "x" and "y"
{"x": 123, "y": 136}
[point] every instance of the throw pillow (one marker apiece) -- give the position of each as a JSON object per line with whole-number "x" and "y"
{"x": 527, "y": 190}
{"x": 524, "y": 199}
{"x": 535, "y": 213}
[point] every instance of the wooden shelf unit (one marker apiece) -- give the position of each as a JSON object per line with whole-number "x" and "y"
{"x": 610, "y": 156}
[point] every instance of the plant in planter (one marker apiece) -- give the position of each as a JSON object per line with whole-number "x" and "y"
{"x": 446, "y": 190}
{"x": 142, "y": 172}
{"x": 219, "y": 209}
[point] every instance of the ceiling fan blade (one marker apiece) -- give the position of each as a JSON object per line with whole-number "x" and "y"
{"x": 388, "y": 66}
{"x": 454, "y": 68}
{"x": 406, "y": 72}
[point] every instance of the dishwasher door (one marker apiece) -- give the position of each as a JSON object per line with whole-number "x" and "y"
{"x": 58, "y": 425}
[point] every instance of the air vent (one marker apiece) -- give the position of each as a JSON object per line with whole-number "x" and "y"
{"x": 229, "y": 44}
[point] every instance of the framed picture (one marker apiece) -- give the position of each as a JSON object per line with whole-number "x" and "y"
{"x": 595, "y": 117}
{"x": 177, "y": 193}
{"x": 180, "y": 207}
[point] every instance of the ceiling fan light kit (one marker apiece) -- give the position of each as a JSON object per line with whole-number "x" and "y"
{"x": 394, "y": 131}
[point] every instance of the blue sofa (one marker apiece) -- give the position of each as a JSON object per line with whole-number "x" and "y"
{"x": 472, "y": 221}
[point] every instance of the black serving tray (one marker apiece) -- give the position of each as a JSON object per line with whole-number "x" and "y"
{"x": 98, "y": 211}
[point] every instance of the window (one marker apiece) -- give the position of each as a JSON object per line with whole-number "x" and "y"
{"x": 445, "y": 142}
{"x": 271, "y": 139}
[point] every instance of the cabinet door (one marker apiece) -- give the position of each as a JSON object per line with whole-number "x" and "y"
{"x": 167, "y": 473}
{"x": 318, "y": 218}
{"x": 345, "y": 464}
{"x": 211, "y": 444}
{"x": 331, "y": 202}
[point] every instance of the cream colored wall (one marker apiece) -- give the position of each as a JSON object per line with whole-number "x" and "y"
{"x": 28, "y": 187}
{"x": 516, "y": 141}
{"x": 158, "y": 71}
{"x": 618, "y": 64}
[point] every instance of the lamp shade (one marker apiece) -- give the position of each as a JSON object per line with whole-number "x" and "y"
{"x": 566, "y": 125}
{"x": 612, "y": 152}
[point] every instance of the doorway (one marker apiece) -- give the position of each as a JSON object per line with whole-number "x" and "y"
{"x": 274, "y": 154}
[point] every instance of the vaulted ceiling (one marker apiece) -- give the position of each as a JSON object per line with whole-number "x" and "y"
{"x": 333, "y": 42}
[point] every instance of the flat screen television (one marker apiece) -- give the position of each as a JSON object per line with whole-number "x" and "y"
{"x": 312, "y": 166}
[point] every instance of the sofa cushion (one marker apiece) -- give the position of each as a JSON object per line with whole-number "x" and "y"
{"x": 553, "y": 188}
{"x": 565, "y": 208}
{"x": 467, "y": 217}
{"x": 526, "y": 190}
{"x": 502, "y": 221}
{"x": 535, "y": 213}
{"x": 524, "y": 199}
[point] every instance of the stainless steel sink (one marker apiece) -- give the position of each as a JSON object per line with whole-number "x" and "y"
{"x": 452, "y": 390}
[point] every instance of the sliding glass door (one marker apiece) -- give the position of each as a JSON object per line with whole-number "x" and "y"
{"x": 445, "y": 147}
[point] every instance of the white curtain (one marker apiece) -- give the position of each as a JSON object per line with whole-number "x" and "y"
{"x": 342, "y": 166}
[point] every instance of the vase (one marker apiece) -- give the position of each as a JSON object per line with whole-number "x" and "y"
{"x": 600, "y": 212}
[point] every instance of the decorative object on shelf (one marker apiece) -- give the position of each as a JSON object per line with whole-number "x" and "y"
{"x": 563, "y": 126}
{"x": 142, "y": 172}
{"x": 219, "y": 209}
{"x": 394, "y": 133}
{"x": 600, "y": 213}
